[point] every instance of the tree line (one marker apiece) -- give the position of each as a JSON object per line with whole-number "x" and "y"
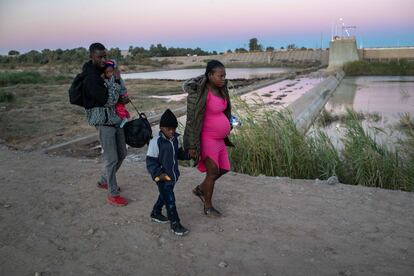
{"x": 254, "y": 46}
{"x": 136, "y": 54}
{"x": 80, "y": 55}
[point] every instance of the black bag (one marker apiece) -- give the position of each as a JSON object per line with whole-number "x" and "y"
{"x": 138, "y": 132}
{"x": 75, "y": 91}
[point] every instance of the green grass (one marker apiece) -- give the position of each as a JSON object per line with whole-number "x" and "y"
{"x": 29, "y": 77}
{"x": 6, "y": 97}
{"x": 406, "y": 123}
{"x": 371, "y": 68}
{"x": 326, "y": 117}
{"x": 11, "y": 78}
{"x": 270, "y": 144}
{"x": 368, "y": 163}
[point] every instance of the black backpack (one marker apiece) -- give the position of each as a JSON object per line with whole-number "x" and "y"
{"x": 75, "y": 91}
{"x": 138, "y": 132}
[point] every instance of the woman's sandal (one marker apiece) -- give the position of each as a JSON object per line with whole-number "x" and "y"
{"x": 198, "y": 192}
{"x": 211, "y": 212}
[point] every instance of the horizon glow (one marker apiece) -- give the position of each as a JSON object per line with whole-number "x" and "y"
{"x": 208, "y": 24}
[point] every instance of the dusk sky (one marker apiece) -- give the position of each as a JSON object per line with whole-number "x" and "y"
{"x": 209, "y": 24}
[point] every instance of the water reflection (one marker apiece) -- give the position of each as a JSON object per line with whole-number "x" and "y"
{"x": 386, "y": 97}
{"x": 343, "y": 97}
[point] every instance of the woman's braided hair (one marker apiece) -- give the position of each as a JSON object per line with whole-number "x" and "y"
{"x": 211, "y": 65}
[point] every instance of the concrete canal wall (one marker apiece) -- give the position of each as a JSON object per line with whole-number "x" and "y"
{"x": 307, "y": 108}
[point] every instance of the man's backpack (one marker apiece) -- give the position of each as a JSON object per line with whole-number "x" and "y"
{"x": 75, "y": 91}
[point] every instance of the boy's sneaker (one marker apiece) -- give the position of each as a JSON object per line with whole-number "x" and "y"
{"x": 117, "y": 200}
{"x": 158, "y": 217}
{"x": 178, "y": 229}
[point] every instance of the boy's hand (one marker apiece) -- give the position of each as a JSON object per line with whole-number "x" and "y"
{"x": 162, "y": 177}
{"x": 192, "y": 153}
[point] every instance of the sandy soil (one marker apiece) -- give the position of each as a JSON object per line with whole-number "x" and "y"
{"x": 55, "y": 221}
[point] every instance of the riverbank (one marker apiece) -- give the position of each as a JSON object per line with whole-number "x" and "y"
{"x": 62, "y": 225}
{"x": 376, "y": 68}
{"x": 37, "y": 114}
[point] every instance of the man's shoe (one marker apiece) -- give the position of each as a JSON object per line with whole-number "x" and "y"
{"x": 104, "y": 185}
{"x": 178, "y": 229}
{"x": 117, "y": 201}
{"x": 158, "y": 217}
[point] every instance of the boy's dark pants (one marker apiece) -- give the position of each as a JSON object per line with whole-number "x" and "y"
{"x": 167, "y": 198}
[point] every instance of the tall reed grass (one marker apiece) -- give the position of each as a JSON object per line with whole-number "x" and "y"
{"x": 269, "y": 143}
{"x": 369, "y": 163}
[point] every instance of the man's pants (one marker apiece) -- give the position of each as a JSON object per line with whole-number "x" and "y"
{"x": 167, "y": 198}
{"x": 114, "y": 152}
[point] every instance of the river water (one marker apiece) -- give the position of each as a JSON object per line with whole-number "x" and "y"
{"x": 383, "y": 98}
{"x": 183, "y": 74}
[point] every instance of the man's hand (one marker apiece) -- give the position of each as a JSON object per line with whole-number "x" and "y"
{"x": 124, "y": 100}
{"x": 162, "y": 177}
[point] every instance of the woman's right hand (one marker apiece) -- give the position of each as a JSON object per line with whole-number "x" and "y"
{"x": 192, "y": 153}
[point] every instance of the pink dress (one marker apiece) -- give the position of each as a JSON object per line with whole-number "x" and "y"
{"x": 215, "y": 128}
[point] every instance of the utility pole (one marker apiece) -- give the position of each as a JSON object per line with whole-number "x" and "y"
{"x": 321, "y": 39}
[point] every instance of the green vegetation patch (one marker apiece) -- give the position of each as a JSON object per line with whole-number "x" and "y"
{"x": 372, "y": 68}
{"x": 269, "y": 143}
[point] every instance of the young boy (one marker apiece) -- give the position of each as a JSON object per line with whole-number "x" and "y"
{"x": 163, "y": 153}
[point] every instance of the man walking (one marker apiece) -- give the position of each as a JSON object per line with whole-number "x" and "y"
{"x": 100, "y": 98}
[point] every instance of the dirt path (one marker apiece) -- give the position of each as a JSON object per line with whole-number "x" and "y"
{"x": 54, "y": 220}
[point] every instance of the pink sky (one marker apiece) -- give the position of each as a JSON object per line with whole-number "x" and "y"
{"x": 210, "y": 24}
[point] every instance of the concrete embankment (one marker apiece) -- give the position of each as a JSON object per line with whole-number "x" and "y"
{"x": 306, "y": 108}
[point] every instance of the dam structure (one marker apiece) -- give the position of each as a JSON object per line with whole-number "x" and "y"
{"x": 341, "y": 51}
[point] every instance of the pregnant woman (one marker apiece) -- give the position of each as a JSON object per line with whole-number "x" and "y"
{"x": 207, "y": 129}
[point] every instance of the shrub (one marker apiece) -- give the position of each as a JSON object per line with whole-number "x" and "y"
{"x": 6, "y": 97}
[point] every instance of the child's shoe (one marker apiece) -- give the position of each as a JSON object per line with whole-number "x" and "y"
{"x": 178, "y": 229}
{"x": 117, "y": 201}
{"x": 158, "y": 217}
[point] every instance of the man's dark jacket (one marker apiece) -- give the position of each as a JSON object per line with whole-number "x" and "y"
{"x": 94, "y": 90}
